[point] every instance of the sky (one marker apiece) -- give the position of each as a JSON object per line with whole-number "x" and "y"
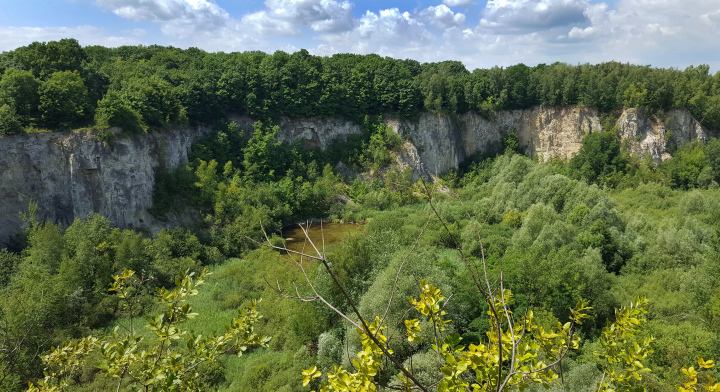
{"x": 480, "y": 33}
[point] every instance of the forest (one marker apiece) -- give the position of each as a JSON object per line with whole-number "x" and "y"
{"x": 90, "y": 307}
{"x": 60, "y": 85}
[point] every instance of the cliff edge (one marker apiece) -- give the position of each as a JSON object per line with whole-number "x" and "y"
{"x": 70, "y": 175}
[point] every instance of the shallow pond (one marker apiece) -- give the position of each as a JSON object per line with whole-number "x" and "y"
{"x": 331, "y": 233}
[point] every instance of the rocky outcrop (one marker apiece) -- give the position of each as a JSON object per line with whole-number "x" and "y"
{"x": 438, "y": 143}
{"x": 314, "y": 132}
{"x": 651, "y": 134}
{"x": 70, "y": 175}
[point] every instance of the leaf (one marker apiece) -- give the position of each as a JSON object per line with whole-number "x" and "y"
{"x": 309, "y": 375}
{"x": 705, "y": 364}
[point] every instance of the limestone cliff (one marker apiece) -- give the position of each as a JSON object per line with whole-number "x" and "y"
{"x": 71, "y": 175}
{"x": 439, "y": 143}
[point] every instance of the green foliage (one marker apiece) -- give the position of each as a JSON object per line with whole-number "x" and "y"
{"x": 599, "y": 158}
{"x": 19, "y": 90}
{"x": 43, "y": 59}
{"x": 225, "y": 143}
{"x": 511, "y": 143}
{"x": 9, "y": 122}
{"x": 167, "y": 85}
{"x": 114, "y": 111}
{"x": 55, "y": 289}
{"x": 528, "y": 348}
{"x": 622, "y": 352}
{"x": 635, "y": 96}
{"x": 261, "y": 154}
{"x": 685, "y": 170}
{"x": 383, "y": 141}
{"x": 64, "y": 101}
{"x": 162, "y": 367}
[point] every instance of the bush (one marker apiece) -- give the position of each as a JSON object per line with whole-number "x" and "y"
{"x": 599, "y": 157}
{"x": 692, "y": 203}
{"x": 9, "y": 121}
{"x": 114, "y": 111}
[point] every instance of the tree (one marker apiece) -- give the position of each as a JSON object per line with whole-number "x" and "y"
{"x": 19, "y": 89}
{"x": 599, "y": 157}
{"x": 9, "y": 121}
{"x": 635, "y": 96}
{"x": 155, "y": 99}
{"x": 64, "y": 101}
{"x": 44, "y": 59}
{"x": 261, "y": 154}
{"x": 114, "y": 111}
{"x": 162, "y": 366}
{"x": 517, "y": 351}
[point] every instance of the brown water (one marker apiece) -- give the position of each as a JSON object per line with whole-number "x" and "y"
{"x": 331, "y": 232}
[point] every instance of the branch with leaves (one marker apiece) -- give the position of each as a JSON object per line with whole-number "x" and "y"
{"x": 163, "y": 366}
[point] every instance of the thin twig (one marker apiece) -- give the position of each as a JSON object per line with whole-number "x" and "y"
{"x": 397, "y": 276}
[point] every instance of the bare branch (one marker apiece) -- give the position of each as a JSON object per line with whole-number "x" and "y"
{"x": 397, "y": 276}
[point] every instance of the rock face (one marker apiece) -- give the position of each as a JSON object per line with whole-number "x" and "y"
{"x": 314, "y": 132}
{"x": 70, "y": 175}
{"x": 438, "y": 143}
{"x": 652, "y": 135}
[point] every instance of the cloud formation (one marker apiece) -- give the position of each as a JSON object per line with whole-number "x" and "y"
{"x": 389, "y": 32}
{"x": 441, "y": 17}
{"x": 289, "y": 17}
{"x": 525, "y": 16}
{"x": 14, "y": 37}
{"x": 177, "y": 18}
{"x": 658, "y": 32}
{"x": 457, "y": 3}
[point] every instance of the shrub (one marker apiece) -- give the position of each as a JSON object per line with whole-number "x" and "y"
{"x": 114, "y": 111}
{"x": 9, "y": 121}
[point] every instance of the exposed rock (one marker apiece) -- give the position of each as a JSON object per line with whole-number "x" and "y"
{"x": 71, "y": 175}
{"x": 314, "y": 132}
{"x": 650, "y": 134}
{"x": 438, "y": 143}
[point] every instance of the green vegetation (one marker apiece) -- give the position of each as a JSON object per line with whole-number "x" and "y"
{"x": 606, "y": 227}
{"x": 162, "y": 367}
{"x": 60, "y": 85}
{"x": 606, "y": 231}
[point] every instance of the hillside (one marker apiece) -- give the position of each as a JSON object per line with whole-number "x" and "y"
{"x": 569, "y": 186}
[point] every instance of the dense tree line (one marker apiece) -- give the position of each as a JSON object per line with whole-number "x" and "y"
{"x": 60, "y": 85}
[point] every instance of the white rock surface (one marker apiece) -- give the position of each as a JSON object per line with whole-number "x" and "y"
{"x": 70, "y": 175}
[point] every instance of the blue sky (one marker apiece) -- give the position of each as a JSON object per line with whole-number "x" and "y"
{"x": 480, "y": 33}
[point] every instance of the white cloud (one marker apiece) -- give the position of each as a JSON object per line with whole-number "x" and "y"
{"x": 658, "y": 32}
{"x": 457, "y": 3}
{"x": 288, "y": 17}
{"x": 200, "y": 23}
{"x": 177, "y": 18}
{"x": 165, "y": 10}
{"x": 711, "y": 18}
{"x": 441, "y": 17}
{"x": 524, "y": 16}
{"x": 390, "y": 32}
{"x": 14, "y": 37}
